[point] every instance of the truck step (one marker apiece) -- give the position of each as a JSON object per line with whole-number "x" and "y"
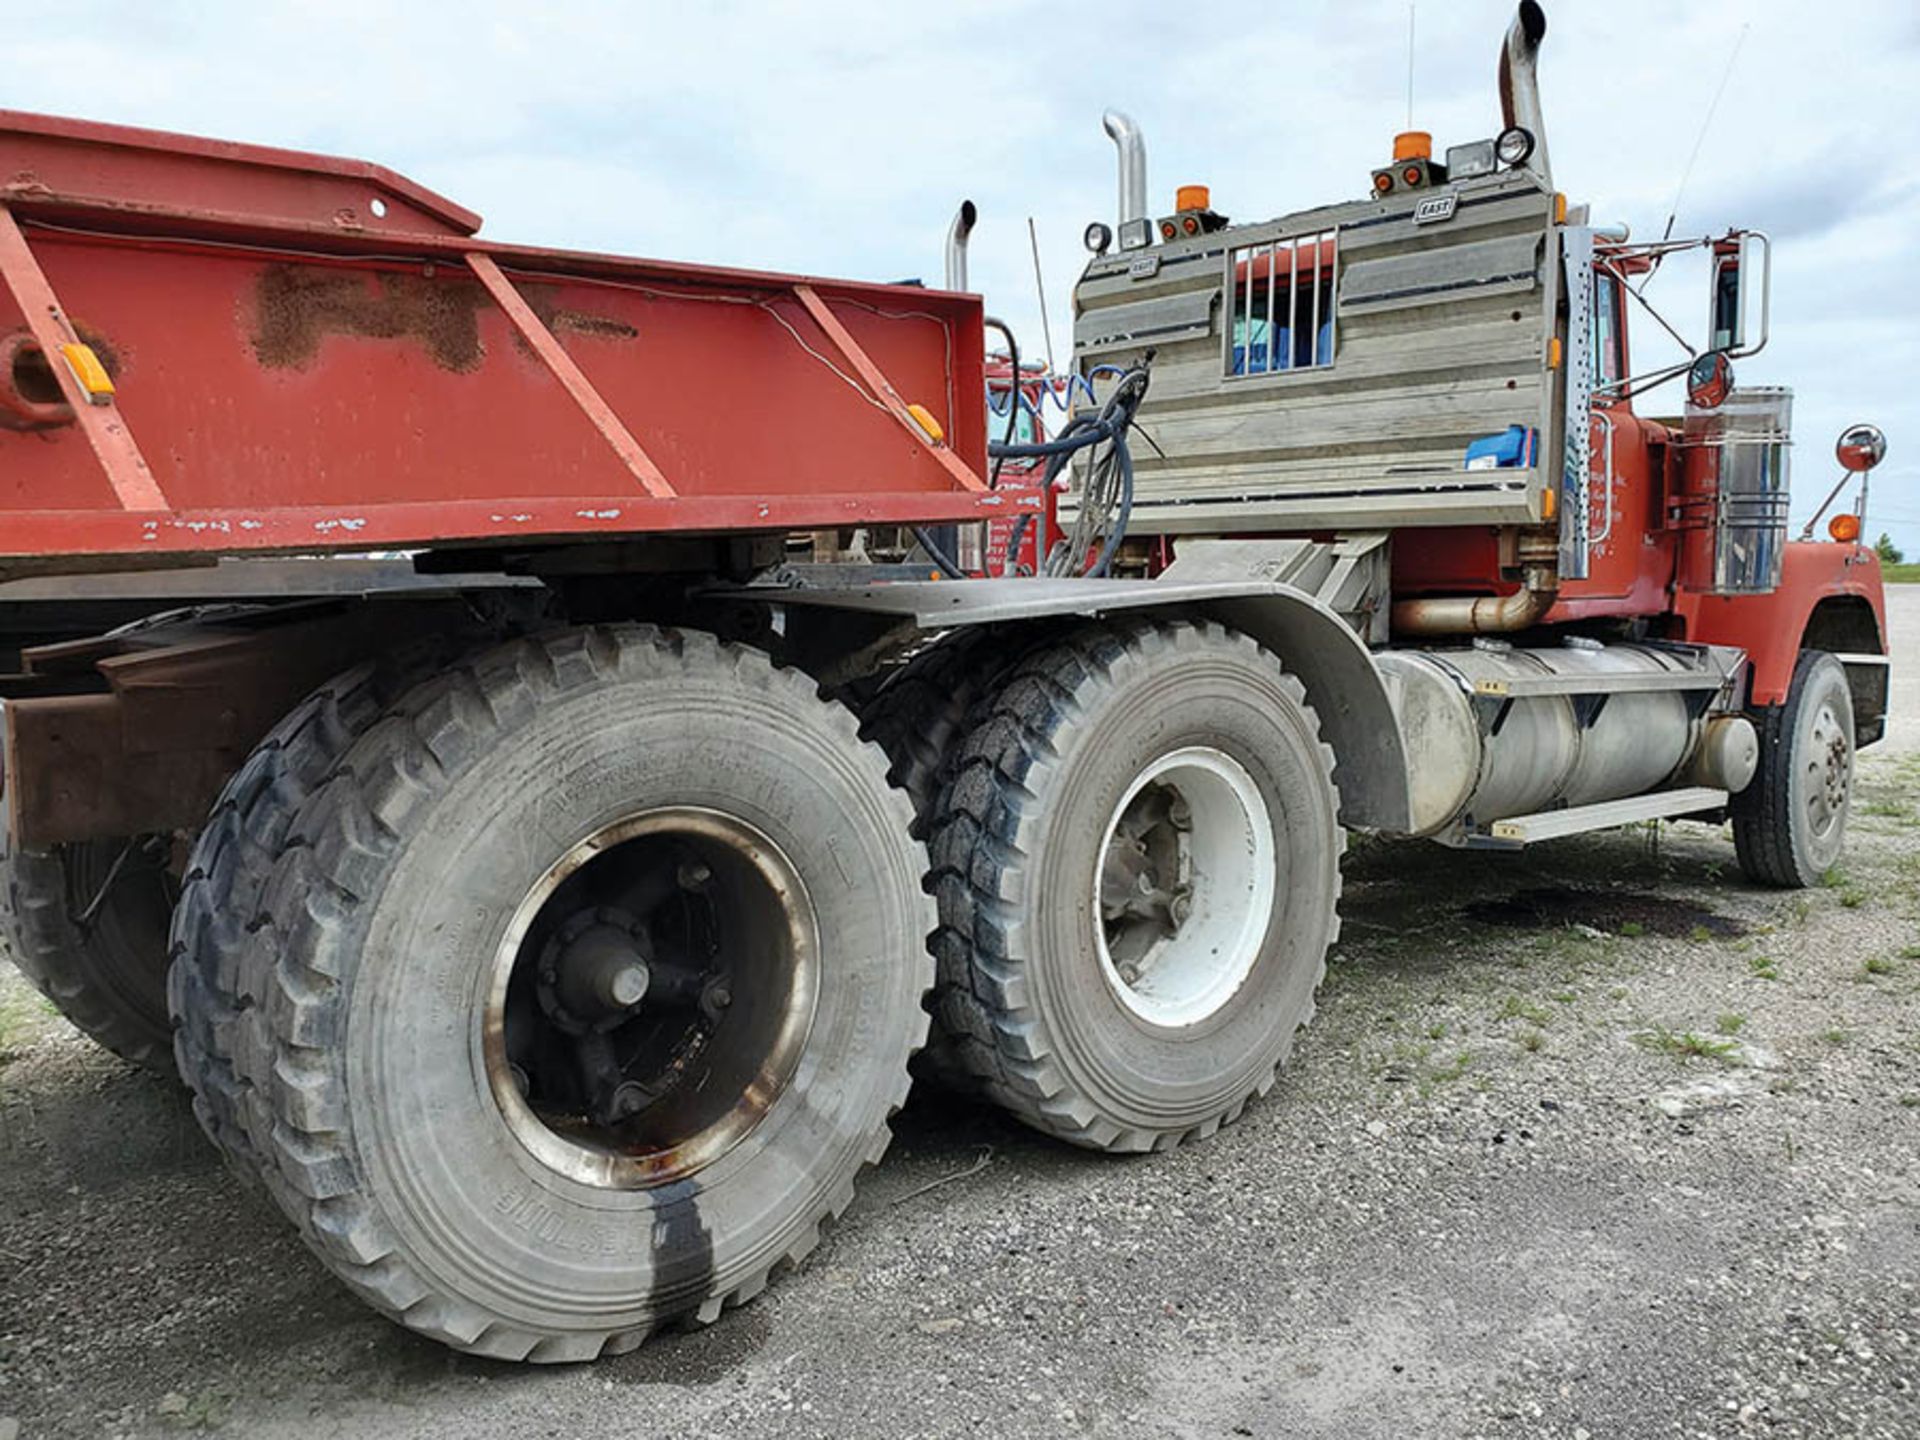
{"x": 1577, "y": 820}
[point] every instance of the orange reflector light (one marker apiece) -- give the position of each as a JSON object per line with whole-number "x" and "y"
{"x": 1193, "y": 197}
{"x": 923, "y": 417}
{"x": 88, "y": 370}
{"x": 1553, "y": 353}
{"x": 1559, "y": 209}
{"x": 1190, "y": 225}
{"x": 1383, "y": 182}
{"x": 1411, "y": 174}
{"x": 1167, "y": 232}
{"x": 1844, "y": 528}
{"x": 1413, "y": 145}
{"x": 1549, "y": 502}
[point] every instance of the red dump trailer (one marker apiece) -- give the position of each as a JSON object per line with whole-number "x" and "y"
{"x": 542, "y": 866}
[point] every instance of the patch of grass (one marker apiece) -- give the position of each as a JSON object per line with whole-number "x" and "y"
{"x": 1436, "y": 1031}
{"x": 1900, "y": 574}
{"x": 1911, "y": 1102}
{"x": 1730, "y": 1023}
{"x": 1834, "y": 1035}
{"x": 1699, "y": 934}
{"x": 1909, "y": 952}
{"x": 1876, "y": 965}
{"x": 1632, "y": 929}
{"x": 1853, "y": 897}
{"x": 1834, "y": 879}
{"x": 1518, "y": 1007}
{"x": 1763, "y": 967}
{"x": 1532, "y": 1040}
{"x": 1686, "y": 1044}
{"x": 1618, "y": 992}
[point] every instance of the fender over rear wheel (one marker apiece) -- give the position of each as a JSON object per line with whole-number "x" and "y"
{"x": 587, "y": 990}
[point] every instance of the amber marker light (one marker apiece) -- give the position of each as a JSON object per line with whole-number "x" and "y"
{"x": 1844, "y": 528}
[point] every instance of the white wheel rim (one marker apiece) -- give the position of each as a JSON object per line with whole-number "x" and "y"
{"x": 1828, "y": 762}
{"x": 1180, "y": 910}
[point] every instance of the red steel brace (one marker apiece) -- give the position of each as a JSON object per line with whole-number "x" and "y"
{"x": 101, "y": 423}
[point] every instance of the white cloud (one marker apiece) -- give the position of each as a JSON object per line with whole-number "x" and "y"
{"x": 836, "y": 137}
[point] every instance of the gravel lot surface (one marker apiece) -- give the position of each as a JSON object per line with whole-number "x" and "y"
{"x": 1596, "y": 1141}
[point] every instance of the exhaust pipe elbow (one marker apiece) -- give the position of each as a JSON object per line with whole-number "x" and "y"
{"x": 1470, "y": 614}
{"x": 958, "y": 234}
{"x": 1132, "y": 148}
{"x": 1520, "y": 83}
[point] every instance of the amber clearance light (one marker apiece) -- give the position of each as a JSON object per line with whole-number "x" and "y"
{"x": 1845, "y": 528}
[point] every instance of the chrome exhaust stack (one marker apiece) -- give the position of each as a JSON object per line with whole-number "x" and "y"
{"x": 1135, "y": 232}
{"x": 957, "y": 236}
{"x": 1520, "y": 84}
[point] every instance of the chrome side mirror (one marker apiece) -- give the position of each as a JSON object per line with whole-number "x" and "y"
{"x": 1860, "y": 448}
{"x": 1742, "y": 264}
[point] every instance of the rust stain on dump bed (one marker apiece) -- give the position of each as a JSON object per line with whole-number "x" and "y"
{"x": 298, "y": 306}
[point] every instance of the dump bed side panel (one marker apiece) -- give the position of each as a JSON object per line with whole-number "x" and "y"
{"x": 297, "y": 383}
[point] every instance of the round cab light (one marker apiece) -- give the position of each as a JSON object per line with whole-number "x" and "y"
{"x": 1190, "y": 225}
{"x": 1411, "y": 174}
{"x": 1098, "y": 237}
{"x": 1382, "y": 183}
{"x": 1844, "y": 528}
{"x": 1515, "y": 146}
{"x": 1167, "y": 232}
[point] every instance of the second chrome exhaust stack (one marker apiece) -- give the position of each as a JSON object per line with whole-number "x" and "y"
{"x": 1520, "y": 84}
{"x": 957, "y": 235}
{"x": 1135, "y": 231}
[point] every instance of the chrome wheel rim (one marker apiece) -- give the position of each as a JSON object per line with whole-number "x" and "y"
{"x": 651, "y": 998}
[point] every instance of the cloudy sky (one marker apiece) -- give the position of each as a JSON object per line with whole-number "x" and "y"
{"x": 837, "y": 138}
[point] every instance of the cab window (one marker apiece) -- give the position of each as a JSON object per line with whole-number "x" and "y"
{"x": 1608, "y": 367}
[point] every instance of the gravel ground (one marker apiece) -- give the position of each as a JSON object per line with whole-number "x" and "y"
{"x": 1595, "y": 1141}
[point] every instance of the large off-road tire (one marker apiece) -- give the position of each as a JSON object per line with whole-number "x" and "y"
{"x": 226, "y": 873}
{"x": 1073, "y": 989}
{"x": 1790, "y": 823}
{"x": 919, "y": 717}
{"x": 408, "y": 1078}
{"x": 87, "y": 925}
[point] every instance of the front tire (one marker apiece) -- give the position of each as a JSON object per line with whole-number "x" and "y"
{"x": 1137, "y": 863}
{"x": 1790, "y": 823}
{"x": 588, "y": 990}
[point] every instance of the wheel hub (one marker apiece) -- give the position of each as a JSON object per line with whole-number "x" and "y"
{"x": 651, "y": 997}
{"x": 1829, "y": 771}
{"x": 1185, "y": 887}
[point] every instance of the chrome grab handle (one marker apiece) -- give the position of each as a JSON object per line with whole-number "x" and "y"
{"x": 1601, "y": 417}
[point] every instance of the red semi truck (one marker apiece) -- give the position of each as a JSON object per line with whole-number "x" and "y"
{"x": 547, "y": 920}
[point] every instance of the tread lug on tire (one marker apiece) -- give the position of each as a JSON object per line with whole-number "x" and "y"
{"x": 447, "y": 941}
{"x": 227, "y": 872}
{"x": 1136, "y": 858}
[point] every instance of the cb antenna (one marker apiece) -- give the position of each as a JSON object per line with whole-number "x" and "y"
{"x": 1701, "y": 139}
{"x": 1040, "y": 287}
